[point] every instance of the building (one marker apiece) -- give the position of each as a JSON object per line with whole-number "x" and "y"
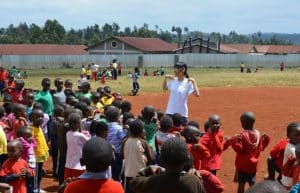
{"x": 131, "y": 45}
{"x": 42, "y": 49}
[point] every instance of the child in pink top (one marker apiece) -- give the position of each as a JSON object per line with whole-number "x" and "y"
{"x": 75, "y": 142}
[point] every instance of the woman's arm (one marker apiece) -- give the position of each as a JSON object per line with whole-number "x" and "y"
{"x": 196, "y": 90}
{"x": 165, "y": 87}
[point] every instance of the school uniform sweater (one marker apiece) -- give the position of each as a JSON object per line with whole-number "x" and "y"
{"x": 214, "y": 142}
{"x": 94, "y": 186}
{"x": 248, "y": 146}
{"x": 211, "y": 183}
{"x": 277, "y": 152}
{"x": 198, "y": 153}
{"x": 292, "y": 169}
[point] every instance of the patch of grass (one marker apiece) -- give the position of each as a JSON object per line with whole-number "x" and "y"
{"x": 205, "y": 77}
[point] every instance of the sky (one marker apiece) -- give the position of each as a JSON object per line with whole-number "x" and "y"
{"x": 242, "y": 16}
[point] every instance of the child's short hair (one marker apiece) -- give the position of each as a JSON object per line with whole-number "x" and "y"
{"x": 166, "y": 123}
{"x": 38, "y": 105}
{"x": 74, "y": 118}
{"x": 136, "y": 128}
{"x": 58, "y": 80}
{"x": 58, "y": 110}
{"x": 194, "y": 123}
{"x": 206, "y": 126}
{"x": 148, "y": 113}
{"x": 291, "y": 128}
{"x": 126, "y": 106}
{"x": 174, "y": 152}
{"x": 87, "y": 110}
{"x": 177, "y": 119}
{"x": 117, "y": 103}
{"x": 126, "y": 116}
{"x": 86, "y": 100}
{"x": 112, "y": 114}
{"x": 247, "y": 119}
{"x": 22, "y": 131}
{"x": 18, "y": 108}
{"x": 98, "y": 127}
{"x": 81, "y": 105}
{"x": 107, "y": 90}
{"x": 9, "y": 107}
{"x": 97, "y": 154}
{"x": 160, "y": 114}
{"x": 267, "y": 186}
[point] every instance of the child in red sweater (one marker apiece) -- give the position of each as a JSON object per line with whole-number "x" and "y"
{"x": 15, "y": 170}
{"x": 247, "y": 146}
{"x": 213, "y": 139}
{"x": 97, "y": 155}
{"x": 192, "y": 138}
{"x": 275, "y": 160}
{"x": 292, "y": 166}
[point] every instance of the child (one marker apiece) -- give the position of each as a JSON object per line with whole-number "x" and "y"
{"x": 166, "y": 123}
{"x": 192, "y": 137}
{"x": 292, "y": 166}
{"x": 99, "y": 128}
{"x": 9, "y": 119}
{"x": 59, "y": 97}
{"x": 115, "y": 137}
{"x": 293, "y": 134}
{"x": 20, "y": 118}
{"x": 248, "y": 146}
{"x": 3, "y": 140}
{"x": 44, "y": 97}
{"x": 29, "y": 104}
{"x": 137, "y": 153}
{"x": 18, "y": 93}
{"x": 68, "y": 88}
{"x": 24, "y": 134}
{"x": 97, "y": 156}
{"x": 177, "y": 122}
{"x": 15, "y": 169}
{"x": 75, "y": 142}
{"x": 213, "y": 140}
{"x": 275, "y": 160}
{"x": 107, "y": 99}
{"x": 41, "y": 150}
{"x": 150, "y": 125}
{"x": 174, "y": 155}
{"x": 135, "y": 83}
{"x": 84, "y": 91}
{"x": 98, "y": 106}
{"x": 125, "y": 107}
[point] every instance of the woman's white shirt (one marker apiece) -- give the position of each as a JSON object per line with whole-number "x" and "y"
{"x": 179, "y": 92}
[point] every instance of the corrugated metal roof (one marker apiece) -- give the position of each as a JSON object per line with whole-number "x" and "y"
{"x": 42, "y": 49}
{"x": 148, "y": 44}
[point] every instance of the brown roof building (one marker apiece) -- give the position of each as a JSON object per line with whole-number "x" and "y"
{"x": 131, "y": 45}
{"x": 42, "y": 49}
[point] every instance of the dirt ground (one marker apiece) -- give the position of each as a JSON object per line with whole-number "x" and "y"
{"x": 274, "y": 109}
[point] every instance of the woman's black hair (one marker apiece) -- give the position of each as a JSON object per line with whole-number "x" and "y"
{"x": 182, "y": 65}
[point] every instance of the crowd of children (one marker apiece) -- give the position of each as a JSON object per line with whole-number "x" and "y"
{"x": 99, "y": 145}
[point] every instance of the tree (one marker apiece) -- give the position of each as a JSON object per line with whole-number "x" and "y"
{"x": 53, "y": 32}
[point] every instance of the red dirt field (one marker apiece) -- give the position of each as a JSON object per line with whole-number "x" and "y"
{"x": 274, "y": 109}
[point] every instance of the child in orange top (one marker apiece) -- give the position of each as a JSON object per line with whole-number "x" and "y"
{"x": 248, "y": 146}
{"x": 213, "y": 139}
{"x": 20, "y": 118}
{"x": 15, "y": 170}
{"x": 192, "y": 138}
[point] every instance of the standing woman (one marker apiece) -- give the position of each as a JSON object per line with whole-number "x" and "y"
{"x": 180, "y": 87}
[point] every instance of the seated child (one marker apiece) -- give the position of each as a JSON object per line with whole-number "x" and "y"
{"x": 15, "y": 170}
{"x": 97, "y": 156}
{"x": 275, "y": 160}
{"x": 192, "y": 137}
{"x": 248, "y": 146}
{"x": 174, "y": 154}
